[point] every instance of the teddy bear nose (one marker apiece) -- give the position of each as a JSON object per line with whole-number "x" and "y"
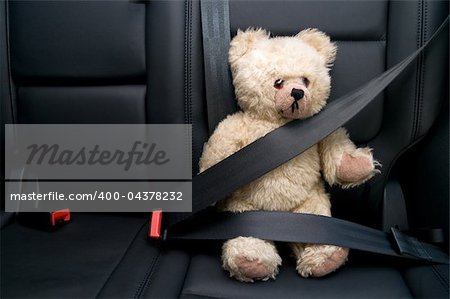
{"x": 297, "y": 94}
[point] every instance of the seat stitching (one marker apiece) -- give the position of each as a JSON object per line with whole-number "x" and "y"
{"x": 188, "y": 72}
{"x": 202, "y": 295}
{"x": 360, "y": 41}
{"x": 419, "y": 16}
{"x": 8, "y": 61}
{"x": 423, "y": 65}
{"x": 146, "y": 281}
{"x": 419, "y": 67}
{"x": 440, "y": 277}
{"x": 121, "y": 259}
{"x": 185, "y": 66}
{"x": 185, "y": 276}
{"x": 187, "y": 63}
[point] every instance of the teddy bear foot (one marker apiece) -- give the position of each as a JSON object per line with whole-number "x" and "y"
{"x": 320, "y": 260}
{"x": 250, "y": 259}
{"x": 356, "y": 167}
{"x": 248, "y": 271}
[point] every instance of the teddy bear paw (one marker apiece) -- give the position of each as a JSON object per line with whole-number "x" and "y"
{"x": 250, "y": 259}
{"x": 320, "y": 260}
{"x": 356, "y": 167}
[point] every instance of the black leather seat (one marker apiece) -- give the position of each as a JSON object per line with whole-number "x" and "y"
{"x": 115, "y": 62}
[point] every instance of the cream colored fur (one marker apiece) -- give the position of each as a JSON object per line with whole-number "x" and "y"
{"x": 257, "y": 61}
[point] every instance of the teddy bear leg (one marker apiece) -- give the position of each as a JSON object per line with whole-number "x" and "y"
{"x": 248, "y": 259}
{"x": 318, "y": 260}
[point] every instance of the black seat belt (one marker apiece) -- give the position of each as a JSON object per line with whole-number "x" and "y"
{"x": 216, "y": 39}
{"x": 251, "y": 163}
{"x": 305, "y": 228}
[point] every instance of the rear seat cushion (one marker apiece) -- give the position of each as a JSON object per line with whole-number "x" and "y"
{"x": 109, "y": 256}
{"x": 74, "y": 261}
{"x": 207, "y": 279}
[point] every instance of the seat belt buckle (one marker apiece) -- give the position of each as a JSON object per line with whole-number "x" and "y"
{"x": 407, "y": 245}
{"x": 155, "y": 225}
{"x": 59, "y": 217}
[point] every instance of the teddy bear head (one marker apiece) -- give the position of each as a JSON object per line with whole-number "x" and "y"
{"x": 281, "y": 78}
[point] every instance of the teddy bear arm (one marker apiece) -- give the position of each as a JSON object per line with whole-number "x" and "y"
{"x": 331, "y": 149}
{"x": 224, "y": 142}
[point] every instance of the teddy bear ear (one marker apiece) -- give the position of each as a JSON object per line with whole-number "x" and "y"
{"x": 321, "y": 42}
{"x": 243, "y": 42}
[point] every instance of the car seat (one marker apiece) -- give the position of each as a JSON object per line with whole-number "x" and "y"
{"x": 126, "y": 61}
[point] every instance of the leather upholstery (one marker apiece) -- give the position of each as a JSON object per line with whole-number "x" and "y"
{"x": 379, "y": 282}
{"x": 126, "y": 61}
{"x": 75, "y": 261}
{"x": 166, "y": 79}
{"x": 77, "y": 41}
{"x": 342, "y": 20}
{"x": 96, "y": 104}
{"x": 78, "y": 62}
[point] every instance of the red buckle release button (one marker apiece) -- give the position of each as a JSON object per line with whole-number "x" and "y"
{"x": 155, "y": 225}
{"x": 60, "y": 216}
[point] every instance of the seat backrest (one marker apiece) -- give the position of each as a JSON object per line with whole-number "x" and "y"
{"x": 126, "y": 61}
{"x": 95, "y": 62}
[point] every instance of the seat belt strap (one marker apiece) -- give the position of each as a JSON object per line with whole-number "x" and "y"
{"x": 252, "y": 162}
{"x": 296, "y": 228}
{"x": 216, "y": 41}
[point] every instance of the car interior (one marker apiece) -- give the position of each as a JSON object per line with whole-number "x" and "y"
{"x": 142, "y": 62}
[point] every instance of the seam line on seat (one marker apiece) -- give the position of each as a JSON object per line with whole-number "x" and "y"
{"x": 185, "y": 277}
{"x": 419, "y": 67}
{"x": 143, "y": 286}
{"x": 188, "y": 118}
{"x": 418, "y": 34}
{"x": 204, "y": 295}
{"x": 443, "y": 280}
{"x": 187, "y": 62}
{"x": 53, "y": 85}
{"x": 359, "y": 41}
{"x": 9, "y": 67}
{"x": 422, "y": 70}
{"x": 121, "y": 259}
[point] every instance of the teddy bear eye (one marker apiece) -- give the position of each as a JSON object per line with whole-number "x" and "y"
{"x": 278, "y": 84}
{"x": 305, "y": 81}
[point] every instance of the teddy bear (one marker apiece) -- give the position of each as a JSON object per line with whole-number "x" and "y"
{"x": 277, "y": 80}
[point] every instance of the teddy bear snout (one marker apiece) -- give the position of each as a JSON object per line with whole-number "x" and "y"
{"x": 291, "y": 101}
{"x": 297, "y": 94}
